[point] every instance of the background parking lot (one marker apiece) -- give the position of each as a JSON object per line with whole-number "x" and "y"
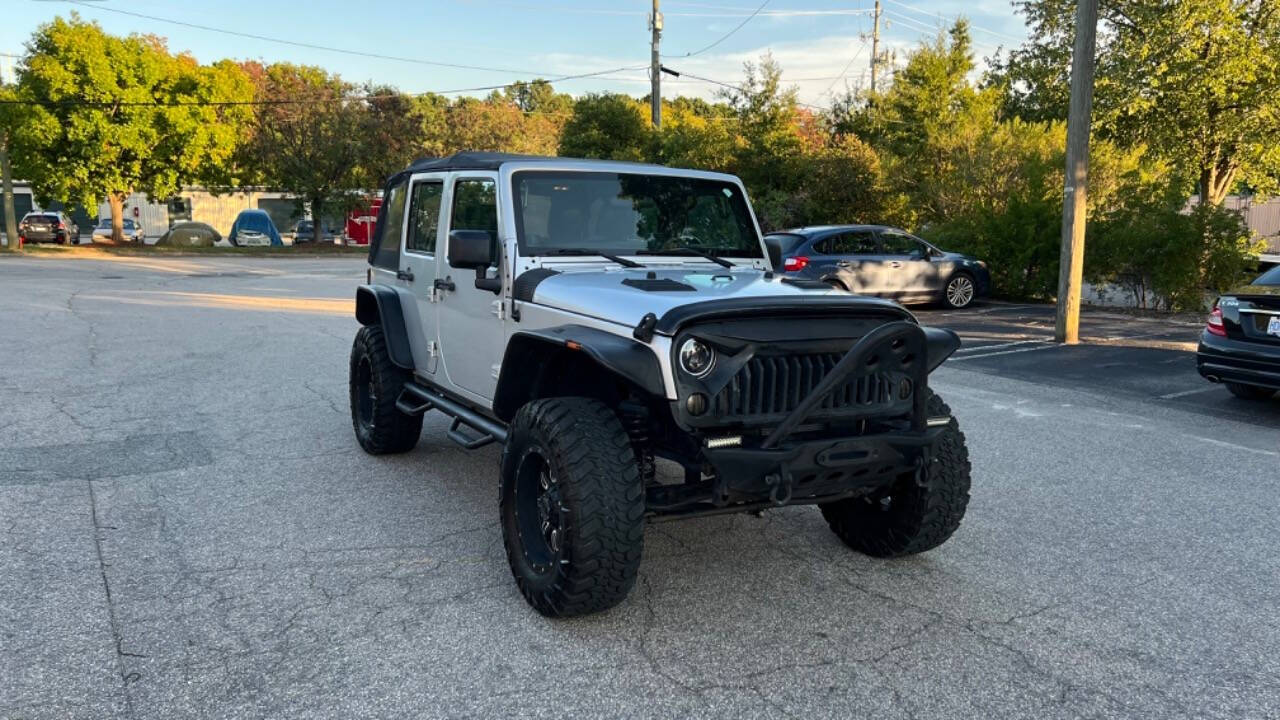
{"x": 191, "y": 530}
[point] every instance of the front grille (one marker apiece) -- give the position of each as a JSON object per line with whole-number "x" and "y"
{"x": 769, "y": 386}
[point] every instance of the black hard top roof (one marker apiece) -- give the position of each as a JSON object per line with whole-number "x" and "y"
{"x": 473, "y": 160}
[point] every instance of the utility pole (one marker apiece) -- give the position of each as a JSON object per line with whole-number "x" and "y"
{"x": 1075, "y": 195}
{"x": 6, "y": 177}
{"x": 875, "y": 46}
{"x": 655, "y": 67}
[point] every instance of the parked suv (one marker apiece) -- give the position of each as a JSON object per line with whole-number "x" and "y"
{"x": 595, "y": 317}
{"x": 44, "y": 226}
{"x": 881, "y": 261}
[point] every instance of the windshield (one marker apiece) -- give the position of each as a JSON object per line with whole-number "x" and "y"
{"x": 1270, "y": 277}
{"x": 255, "y": 222}
{"x": 625, "y": 213}
{"x": 125, "y": 224}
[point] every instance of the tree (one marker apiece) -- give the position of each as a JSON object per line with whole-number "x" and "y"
{"x": 1193, "y": 80}
{"x": 538, "y": 97}
{"x": 845, "y": 183}
{"x": 313, "y": 144}
{"x": 390, "y": 138}
{"x": 608, "y": 125}
{"x": 110, "y": 116}
{"x": 929, "y": 124}
{"x": 769, "y": 144}
{"x": 696, "y": 134}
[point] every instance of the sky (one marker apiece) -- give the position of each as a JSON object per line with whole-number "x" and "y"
{"x": 822, "y": 45}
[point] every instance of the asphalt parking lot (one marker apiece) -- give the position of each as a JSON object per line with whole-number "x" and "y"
{"x": 190, "y": 530}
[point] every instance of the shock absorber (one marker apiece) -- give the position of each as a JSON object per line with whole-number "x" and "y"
{"x": 635, "y": 418}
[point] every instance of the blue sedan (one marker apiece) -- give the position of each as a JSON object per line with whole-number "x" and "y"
{"x": 879, "y": 260}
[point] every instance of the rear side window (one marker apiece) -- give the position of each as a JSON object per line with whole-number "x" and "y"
{"x": 859, "y": 242}
{"x": 386, "y": 250}
{"x": 424, "y": 217}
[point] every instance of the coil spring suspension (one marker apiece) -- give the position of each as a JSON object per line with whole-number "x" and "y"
{"x": 635, "y": 419}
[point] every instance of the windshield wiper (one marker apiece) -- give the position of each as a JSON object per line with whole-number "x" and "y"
{"x": 689, "y": 251}
{"x": 587, "y": 251}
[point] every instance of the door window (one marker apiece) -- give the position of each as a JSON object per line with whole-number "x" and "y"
{"x": 860, "y": 242}
{"x": 896, "y": 243}
{"x": 391, "y": 222}
{"x": 424, "y": 217}
{"x": 475, "y": 207}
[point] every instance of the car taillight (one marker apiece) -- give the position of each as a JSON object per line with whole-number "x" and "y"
{"x": 795, "y": 264}
{"x": 1214, "y": 325}
{"x": 62, "y": 226}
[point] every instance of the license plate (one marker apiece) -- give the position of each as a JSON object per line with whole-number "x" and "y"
{"x": 1273, "y": 326}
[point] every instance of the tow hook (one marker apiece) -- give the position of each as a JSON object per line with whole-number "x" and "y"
{"x": 922, "y": 460}
{"x": 780, "y": 492}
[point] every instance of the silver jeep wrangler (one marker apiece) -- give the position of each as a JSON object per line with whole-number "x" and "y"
{"x": 595, "y": 316}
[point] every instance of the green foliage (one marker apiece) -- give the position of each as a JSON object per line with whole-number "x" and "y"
{"x": 105, "y": 117}
{"x": 767, "y": 149}
{"x": 315, "y": 145}
{"x": 845, "y": 182}
{"x": 1153, "y": 245}
{"x": 607, "y": 126}
{"x": 696, "y": 135}
{"x": 1195, "y": 81}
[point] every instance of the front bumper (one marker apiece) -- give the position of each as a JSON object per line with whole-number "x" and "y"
{"x": 798, "y": 461}
{"x": 821, "y": 469}
{"x": 1221, "y": 359}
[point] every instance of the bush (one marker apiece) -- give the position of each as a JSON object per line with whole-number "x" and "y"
{"x": 1181, "y": 256}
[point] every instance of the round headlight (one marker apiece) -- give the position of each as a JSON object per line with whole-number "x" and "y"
{"x": 696, "y": 357}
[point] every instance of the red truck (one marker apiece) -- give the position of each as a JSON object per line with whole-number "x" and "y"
{"x": 360, "y": 222}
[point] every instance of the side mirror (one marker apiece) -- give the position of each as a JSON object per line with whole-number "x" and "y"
{"x": 470, "y": 249}
{"x": 474, "y": 249}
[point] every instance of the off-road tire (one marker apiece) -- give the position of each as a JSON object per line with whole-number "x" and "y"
{"x": 375, "y": 383}
{"x": 914, "y": 515}
{"x": 1250, "y": 392}
{"x": 599, "y": 497}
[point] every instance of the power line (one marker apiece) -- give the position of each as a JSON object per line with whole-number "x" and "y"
{"x": 729, "y": 34}
{"x": 943, "y": 17}
{"x": 847, "y": 65}
{"x": 311, "y": 46}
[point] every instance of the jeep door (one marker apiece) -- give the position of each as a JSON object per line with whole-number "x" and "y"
{"x": 418, "y": 261}
{"x": 472, "y": 335}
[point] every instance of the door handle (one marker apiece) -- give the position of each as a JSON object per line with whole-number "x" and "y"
{"x": 895, "y": 264}
{"x": 406, "y": 275}
{"x": 445, "y": 284}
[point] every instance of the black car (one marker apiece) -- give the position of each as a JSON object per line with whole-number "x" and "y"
{"x": 882, "y": 261}
{"x": 1240, "y": 345}
{"x": 42, "y": 227}
{"x": 305, "y": 232}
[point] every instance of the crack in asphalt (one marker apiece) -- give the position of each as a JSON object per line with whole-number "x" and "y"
{"x": 127, "y": 677}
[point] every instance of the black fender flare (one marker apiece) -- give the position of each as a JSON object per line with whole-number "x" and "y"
{"x": 629, "y": 359}
{"x": 379, "y": 305}
{"x": 941, "y": 344}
